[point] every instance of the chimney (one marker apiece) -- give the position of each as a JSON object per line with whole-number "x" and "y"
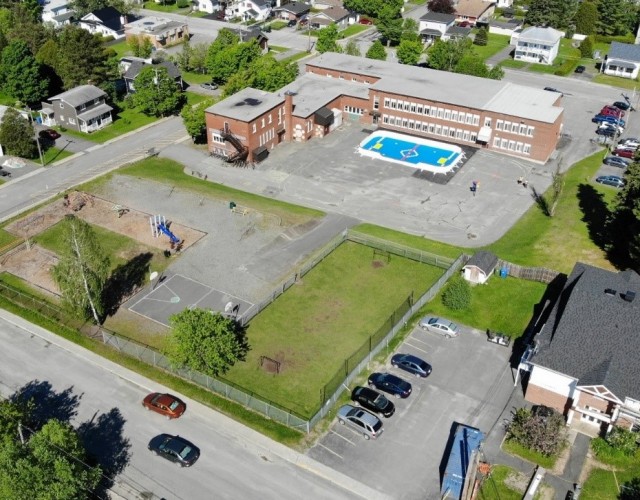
{"x": 629, "y": 296}
{"x": 288, "y": 116}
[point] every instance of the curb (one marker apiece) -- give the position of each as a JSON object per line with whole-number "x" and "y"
{"x": 223, "y": 424}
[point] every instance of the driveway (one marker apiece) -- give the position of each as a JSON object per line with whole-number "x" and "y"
{"x": 470, "y": 383}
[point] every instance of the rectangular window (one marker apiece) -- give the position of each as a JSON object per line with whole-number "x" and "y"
{"x": 496, "y": 142}
{"x": 387, "y": 103}
{"x": 440, "y": 112}
{"x": 254, "y": 128}
{"x": 419, "y": 109}
{"x": 458, "y": 134}
{"x": 465, "y": 136}
{"x": 376, "y": 102}
{"x": 530, "y": 131}
{"x": 452, "y": 132}
{"x": 425, "y": 127}
{"x": 434, "y": 111}
{"x": 487, "y": 122}
{"x": 413, "y": 107}
{"x": 507, "y": 126}
{"x": 504, "y": 143}
{"x": 385, "y": 119}
{"x": 526, "y": 149}
{"x": 461, "y": 117}
{"x": 407, "y": 105}
{"x": 438, "y": 129}
{"x": 476, "y": 119}
{"x": 474, "y": 137}
{"x": 411, "y": 123}
{"x": 445, "y": 130}
{"x": 512, "y": 145}
{"x": 514, "y": 128}
{"x": 447, "y": 114}
{"x": 454, "y": 116}
{"x": 405, "y": 123}
{"x": 432, "y": 128}
{"x": 270, "y": 120}
{"x": 279, "y": 116}
{"x": 262, "y": 123}
{"x": 499, "y": 124}
{"x": 519, "y": 147}
{"x": 309, "y": 126}
{"x": 393, "y": 104}
{"x": 523, "y": 129}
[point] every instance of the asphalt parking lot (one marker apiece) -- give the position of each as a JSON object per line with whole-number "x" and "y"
{"x": 471, "y": 382}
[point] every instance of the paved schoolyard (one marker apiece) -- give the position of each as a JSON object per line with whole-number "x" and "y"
{"x": 471, "y": 382}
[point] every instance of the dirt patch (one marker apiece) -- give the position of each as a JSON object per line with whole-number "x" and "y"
{"x": 32, "y": 265}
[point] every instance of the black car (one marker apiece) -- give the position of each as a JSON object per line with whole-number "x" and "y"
{"x": 412, "y": 364}
{"x": 174, "y": 449}
{"x": 373, "y": 401}
{"x": 607, "y": 132}
{"x": 391, "y": 384}
{"x": 624, "y": 106}
{"x": 551, "y": 89}
{"x": 292, "y": 23}
{"x": 616, "y": 161}
{"x": 580, "y": 69}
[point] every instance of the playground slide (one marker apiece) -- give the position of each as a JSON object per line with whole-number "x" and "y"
{"x": 165, "y": 230}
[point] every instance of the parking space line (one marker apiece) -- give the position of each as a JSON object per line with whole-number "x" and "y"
{"x": 341, "y": 436}
{"x": 331, "y": 451}
{"x": 418, "y": 340}
{"x": 411, "y": 345}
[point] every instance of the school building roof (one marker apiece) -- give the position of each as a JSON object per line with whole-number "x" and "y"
{"x": 246, "y": 105}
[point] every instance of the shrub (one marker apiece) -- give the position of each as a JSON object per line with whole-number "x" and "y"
{"x": 482, "y": 37}
{"x": 586, "y": 47}
{"x": 565, "y": 67}
{"x": 182, "y": 4}
{"x": 543, "y": 433}
{"x": 623, "y": 441}
{"x": 457, "y": 295}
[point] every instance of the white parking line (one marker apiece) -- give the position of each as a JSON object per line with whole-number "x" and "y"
{"x": 331, "y": 451}
{"x": 411, "y": 345}
{"x": 341, "y": 436}
{"x": 418, "y": 340}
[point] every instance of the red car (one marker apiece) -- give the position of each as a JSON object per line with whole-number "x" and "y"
{"x": 625, "y": 153}
{"x": 611, "y": 111}
{"x": 365, "y": 21}
{"x": 164, "y": 404}
{"x": 49, "y": 134}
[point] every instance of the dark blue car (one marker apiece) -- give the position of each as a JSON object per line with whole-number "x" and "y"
{"x": 412, "y": 364}
{"x": 390, "y": 384}
{"x": 609, "y": 119}
{"x": 175, "y": 449}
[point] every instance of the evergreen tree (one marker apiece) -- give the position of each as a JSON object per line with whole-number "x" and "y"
{"x": 377, "y": 51}
{"x": 20, "y": 74}
{"x": 482, "y": 37}
{"x": 586, "y": 18}
{"x": 613, "y": 18}
{"x": 586, "y": 47}
{"x": 352, "y": 49}
{"x": 624, "y": 222}
{"x": 82, "y": 59}
{"x": 558, "y": 14}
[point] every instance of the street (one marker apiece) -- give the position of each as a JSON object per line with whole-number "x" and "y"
{"x": 104, "y": 400}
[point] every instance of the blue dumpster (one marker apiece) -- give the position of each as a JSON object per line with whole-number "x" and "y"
{"x": 504, "y": 272}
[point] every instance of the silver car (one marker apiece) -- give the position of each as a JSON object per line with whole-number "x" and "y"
{"x": 360, "y": 420}
{"x": 439, "y": 325}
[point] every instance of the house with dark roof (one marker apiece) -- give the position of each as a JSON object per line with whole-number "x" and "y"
{"x": 433, "y": 25}
{"x": 106, "y": 21}
{"x": 504, "y": 27}
{"x": 292, "y": 11}
{"x": 584, "y": 360}
{"x": 82, "y": 108}
{"x": 623, "y": 60}
{"x": 332, "y": 15}
{"x": 253, "y": 33}
{"x": 135, "y": 66}
{"x": 480, "y": 267}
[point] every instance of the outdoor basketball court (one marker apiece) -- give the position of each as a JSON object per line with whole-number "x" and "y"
{"x": 175, "y": 293}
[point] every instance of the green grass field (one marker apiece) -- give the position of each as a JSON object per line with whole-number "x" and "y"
{"x": 495, "y": 43}
{"x": 604, "y": 483}
{"x": 52, "y": 155}
{"x": 512, "y": 63}
{"x": 503, "y": 305}
{"x": 494, "y": 487}
{"x": 126, "y": 121}
{"x": 353, "y": 29}
{"x": 315, "y": 325}
{"x": 532, "y": 456}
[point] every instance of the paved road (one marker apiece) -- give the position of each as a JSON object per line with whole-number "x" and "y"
{"x": 235, "y": 462}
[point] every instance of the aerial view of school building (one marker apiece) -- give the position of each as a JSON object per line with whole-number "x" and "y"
{"x": 458, "y": 109}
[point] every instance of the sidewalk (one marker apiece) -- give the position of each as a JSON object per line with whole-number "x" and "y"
{"x": 234, "y": 430}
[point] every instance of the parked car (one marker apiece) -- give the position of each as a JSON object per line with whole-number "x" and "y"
{"x": 466, "y": 24}
{"x": 412, "y": 364}
{"x": 611, "y": 126}
{"x": 174, "y": 449}
{"x": 625, "y": 153}
{"x": 49, "y": 134}
{"x": 629, "y": 141}
{"x": 612, "y": 111}
{"x": 606, "y": 131}
{"x": 616, "y": 161}
{"x": 580, "y": 69}
{"x": 292, "y": 23}
{"x": 624, "y": 106}
{"x": 373, "y": 401}
{"x": 551, "y": 89}
{"x": 362, "y": 421}
{"x": 439, "y": 325}
{"x": 365, "y": 21}
{"x": 209, "y": 86}
{"x": 391, "y": 384}
{"x": 600, "y": 118}
{"x": 611, "y": 180}
{"x": 164, "y": 404}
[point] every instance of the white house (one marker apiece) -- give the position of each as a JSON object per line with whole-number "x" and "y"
{"x": 434, "y": 24}
{"x": 106, "y": 21}
{"x": 501, "y": 4}
{"x": 622, "y": 60}
{"x": 208, "y": 6}
{"x": 257, "y": 10}
{"x": 504, "y": 27}
{"x": 536, "y": 45}
{"x": 57, "y": 12}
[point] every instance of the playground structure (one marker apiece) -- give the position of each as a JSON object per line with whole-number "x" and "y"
{"x": 76, "y": 200}
{"x": 159, "y": 226}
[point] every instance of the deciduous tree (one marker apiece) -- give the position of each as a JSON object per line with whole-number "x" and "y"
{"x": 377, "y": 51}
{"x": 21, "y": 75}
{"x": 265, "y": 73}
{"x": 327, "y": 39}
{"x": 446, "y": 55}
{"x": 225, "y": 39}
{"x": 544, "y": 434}
{"x": 17, "y": 135}
{"x": 140, "y": 46}
{"x": 205, "y": 341}
{"x": 409, "y": 51}
{"x": 156, "y": 92}
{"x": 624, "y": 221}
{"x": 389, "y": 24}
{"x": 193, "y": 118}
{"x": 82, "y": 270}
{"x": 442, "y": 6}
{"x": 410, "y": 30}
{"x": 352, "y": 49}
{"x": 82, "y": 59}
{"x": 469, "y": 64}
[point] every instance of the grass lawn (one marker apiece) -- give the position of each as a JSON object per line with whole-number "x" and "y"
{"x": 616, "y": 81}
{"x": 170, "y": 6}
{"x": 353, "y": 29}
{"x": 172, "y": 173}
{"x": 278, "y": 25}
{"x": 125, "y": 121}
{"x": 277, "y": 49}
{"x": 121, "y": 48}
{"x": 6, "y": 238}
{"x": 558, "y": 242}
{"x": 520, "y": 451}
{"x": 494, "y": 45}
{"x": 295, "y": 57}
{"x": 494, "y": 487}
{"x": 604, "y": 483}
{"x": 315, "y": 326}
{"x": 512, "y": 63}
{"x": 194, "y": 98}
{"x": 195, "y": 78}
{"x": 503, "y": 305}
{"x": 54, "y": 154}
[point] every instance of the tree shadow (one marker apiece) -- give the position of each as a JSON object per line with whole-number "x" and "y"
{"x": 123, "y": 281}
{"x": 104, "y": 440}
{"x": 47, "y": 403}
{"x": 595, "y": 214}
{"x": 540, "y": 200}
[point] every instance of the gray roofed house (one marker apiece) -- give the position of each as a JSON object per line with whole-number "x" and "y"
{"x": 623, "y": 60}
{"x": 293, "y": 10}
{"x": 536, "y": 44}
{"x": 586, "y": 361}
{"x": 433, "y": 25}
{"x": 337, "y": 15}
{"x": 480, "y": 267}
{"x": 456, "y": 32}
{"x": 82, "y": 108}
{"x": 438, "y": 17}
{"x": 136, "y": 65}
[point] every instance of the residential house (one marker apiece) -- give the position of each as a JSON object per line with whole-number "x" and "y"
{"x": 82, "y": 108}
{"x": 326, "y": 4}
{"x": 622, "y": 60}
{"x": 501, "y": 4}
{"x": 480, "y": 267}
{"x": 106, "y": 21}
{"x": 505, "y": 27}
{"x": 456, "y": 32}
{"x": 536, "y": 45}
{"x": 209, "y": 6}
{"x": 249, "y": 10}
{"x": 434, "y": 24}
{"x": 162, "y": 32}
{"x": 294, "y": 11}
{"x": 331, "y": 15}
{"x": 57, "y": 13}
{"x": 135, "y": 66}
{"x": 474, "y": 11}
{"x": 251, "y": 33}
{"x": 584, "y": 361}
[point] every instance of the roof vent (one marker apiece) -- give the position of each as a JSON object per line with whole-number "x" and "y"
{"x": 629, "y": 296}
{"x": 610, "y": 291}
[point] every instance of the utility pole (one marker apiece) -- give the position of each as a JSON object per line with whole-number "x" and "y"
{"x": 37, "y": 136}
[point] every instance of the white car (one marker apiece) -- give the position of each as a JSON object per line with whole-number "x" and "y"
{"x": 629, "y": 143}
{"x": 439, "y": 325}
{"x": 611, "y": 126}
